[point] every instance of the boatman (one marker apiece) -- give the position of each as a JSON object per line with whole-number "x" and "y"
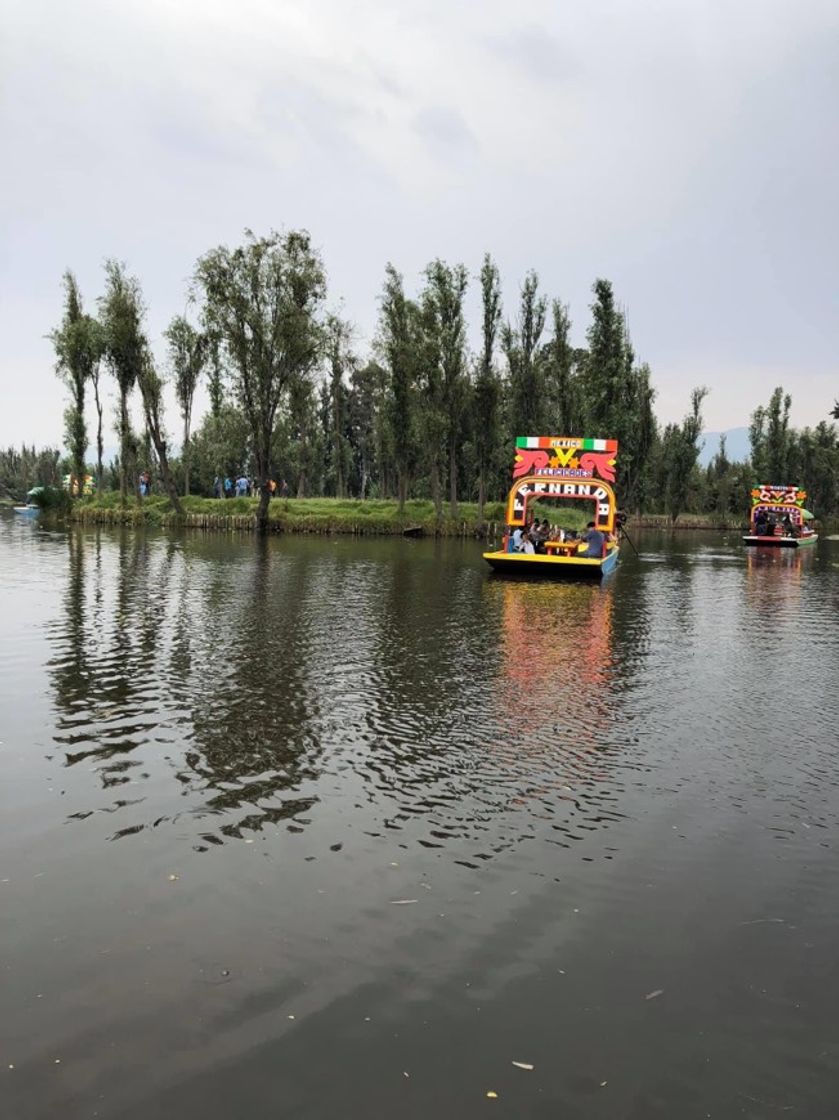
{"x": 594, "y": 540}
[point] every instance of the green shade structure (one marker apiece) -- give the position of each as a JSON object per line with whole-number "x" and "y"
{"x": 807, "y": 515}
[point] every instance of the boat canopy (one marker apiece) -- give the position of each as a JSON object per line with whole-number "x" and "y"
{"x": 780, "y": 501}
{"x": 564, "y": 468}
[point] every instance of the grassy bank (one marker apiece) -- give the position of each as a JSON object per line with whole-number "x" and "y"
{"x": 374, "y": 517}
{"x": 306, "y": 515}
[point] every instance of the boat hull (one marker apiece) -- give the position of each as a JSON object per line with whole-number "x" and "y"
{"x": 779, "y": 542}
{"x": 552, "y": 567}
{"x": 27, "y": 511}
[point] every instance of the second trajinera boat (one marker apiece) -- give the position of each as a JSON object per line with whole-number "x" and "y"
{"x": 778, "y": 518}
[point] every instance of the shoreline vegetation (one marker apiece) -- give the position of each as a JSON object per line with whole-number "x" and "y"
{"x": 327, "y": 516}
{"x": 424, "y": 419}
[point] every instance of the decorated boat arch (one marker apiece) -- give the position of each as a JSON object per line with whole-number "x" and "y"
{"x": 778, "y": 518}
{"x": 563, "y": 469}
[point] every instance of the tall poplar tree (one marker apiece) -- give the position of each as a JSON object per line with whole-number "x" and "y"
{"x": 487, "y": 393}
{"x": 398, "y": 343}
{"x": 188, "y": 357}
{"x": 78, "y": 349}
{"x": 521, "y": 349}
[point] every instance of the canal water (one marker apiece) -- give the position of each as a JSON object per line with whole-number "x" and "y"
{"x": 320, "y": 828}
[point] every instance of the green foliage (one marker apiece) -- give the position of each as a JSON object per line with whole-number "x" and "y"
{"x": 290, "y": 400}
{"x": 521, "y": 349}
{"x": 78, "y": 343}
{"x": 261, "y": 302}
{"x": 188, "y": 351}
{"x": 400, "y": 345}
{"x": 28, "y": 467}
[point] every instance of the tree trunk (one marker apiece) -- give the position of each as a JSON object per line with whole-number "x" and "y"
{"x": 156, "y": 435}
{"x": 436, "y": 495}
{"x": 264, "y": 500}
{"x": 482, "y": 494}
{"x": 185, "y": 455}
{"x": 123, "y": 448}
{"x": 168, "y": 480}
{"x": 453, "y": 478}
{"x": 99, "y": 446}
{"x": 403, "y": 487}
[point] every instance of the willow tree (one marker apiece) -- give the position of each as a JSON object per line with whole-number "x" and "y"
{"x": 127, "y": 352}
{"x": 487, "y": 391}
{"x": 188, "y": 356}
{"x": 78, "y": 349}
{"x": 262, "y": 301}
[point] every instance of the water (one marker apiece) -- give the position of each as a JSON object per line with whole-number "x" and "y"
{"x": 333, "y": 828}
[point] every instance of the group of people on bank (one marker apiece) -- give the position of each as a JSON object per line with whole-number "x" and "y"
{"x": 534, "y": 538}
{"x": 244, "y": 487}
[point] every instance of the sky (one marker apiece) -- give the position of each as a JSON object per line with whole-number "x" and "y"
{"x": 688, "y": 151}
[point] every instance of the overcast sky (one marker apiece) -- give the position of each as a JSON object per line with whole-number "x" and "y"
{"x": 686, "y": 150}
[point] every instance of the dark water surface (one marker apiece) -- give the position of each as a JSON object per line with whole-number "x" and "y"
{"x": 314, "y": 828}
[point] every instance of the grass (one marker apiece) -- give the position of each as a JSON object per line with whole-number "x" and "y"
{"x": 375, "y": 516}
{"x": 304, "y": 515}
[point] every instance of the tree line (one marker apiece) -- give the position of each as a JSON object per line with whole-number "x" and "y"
{"x": 422, "y": 415}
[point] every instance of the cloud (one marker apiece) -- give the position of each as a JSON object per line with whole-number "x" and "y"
{"x": 686, "y": 151}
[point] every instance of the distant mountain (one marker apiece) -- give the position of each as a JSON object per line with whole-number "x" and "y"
{"x": 737, "y": 447}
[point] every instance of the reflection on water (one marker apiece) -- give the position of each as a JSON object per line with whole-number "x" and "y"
{"x": 223, "y": 695}
{"x": 293, "y": 822}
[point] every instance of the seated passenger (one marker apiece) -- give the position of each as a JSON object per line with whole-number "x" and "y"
{"x": 594, "y": 540}
{"x": 527, "y": 545}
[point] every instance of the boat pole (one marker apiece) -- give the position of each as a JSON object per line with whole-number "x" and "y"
{"x": 621, "y": 519}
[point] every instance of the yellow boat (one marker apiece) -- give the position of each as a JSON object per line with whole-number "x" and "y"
{"x": 561, "y": 468}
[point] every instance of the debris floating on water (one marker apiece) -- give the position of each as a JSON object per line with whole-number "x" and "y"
{"x": 655, "y": 994}
{"x": 174, "y": 878}
{"x": 492, "y": 1096}
{"x": 403, "y": 901}
{"x": 523, "y": 1065}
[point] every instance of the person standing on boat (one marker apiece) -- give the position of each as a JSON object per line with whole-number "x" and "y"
{"x": 594, "y": 540}
{"x": 516, "y": 539}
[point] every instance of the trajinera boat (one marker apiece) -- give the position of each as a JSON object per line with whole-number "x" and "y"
{"x": 562, "y": 469}
{"x": 778, "y": 518}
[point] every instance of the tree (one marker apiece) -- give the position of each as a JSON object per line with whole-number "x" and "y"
{"x": 96, "y": 329}
{"x": 119, "y": 312}
{"x": 562, "y": 392}
{"x": 521, "y": 349}
{"x": 397, "y": 339}
{"x": 443, "y": 301}
{"x": 487, "y": 392}
{"x": 128, "y": 354}
{"x": 262, "y": 300}
{"x": 220, "y": 446}
{"x": 78, "y": 348}
{"x": 151, "y": 386}
{"x": 680, "y": 451}
{"x": 363, "y": 408}
{"x": 339, "y": 358}
{"x": 188, "y": 356}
